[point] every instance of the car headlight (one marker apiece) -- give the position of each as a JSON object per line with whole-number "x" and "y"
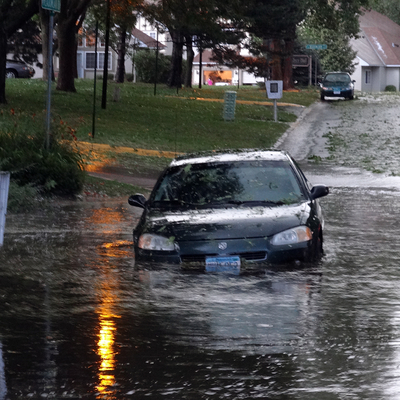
{"x": 155, "y": 242}
{"x": 291, "y": 236}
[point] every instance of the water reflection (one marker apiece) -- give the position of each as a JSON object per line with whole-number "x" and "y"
{"x": 78, "y": 322}
{"x": 106, "y": 344}
{"x": 3, "y": 386}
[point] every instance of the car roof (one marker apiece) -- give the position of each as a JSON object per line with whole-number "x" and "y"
{"x": 336, "y": 73}
{"x": 231, "y": 156}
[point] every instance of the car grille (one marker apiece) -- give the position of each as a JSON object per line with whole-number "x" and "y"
{"x": 251, "y": 256}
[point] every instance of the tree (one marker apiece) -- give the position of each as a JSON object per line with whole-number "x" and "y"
{"x": 339, "y": 56}
{"x": 13, "y": 15}
{"x": 25, "y": 44}
{"x": 123, "y": 19}
{"x": 192, "y": 21}
{"x": 69, "y": 21}
{"x": 390, "y": 8}
{"x": 276, "y": 22}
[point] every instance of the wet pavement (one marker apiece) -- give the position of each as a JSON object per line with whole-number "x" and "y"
{"x": 78, "y": 321}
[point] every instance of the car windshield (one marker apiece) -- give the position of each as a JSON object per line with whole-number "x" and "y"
{"x": 236, "y": 183}
{"x": 337, "y": 79}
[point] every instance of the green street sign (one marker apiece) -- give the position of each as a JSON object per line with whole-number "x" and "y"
{"x": 316, "y": 46}
{"x": 52, "y": 5}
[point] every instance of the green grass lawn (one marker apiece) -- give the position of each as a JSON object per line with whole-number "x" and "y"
{"x": 170, "y": 120}
{"x": 188, "y": 120}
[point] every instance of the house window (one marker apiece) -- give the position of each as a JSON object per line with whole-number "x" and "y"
{"x": 90, "y": 60}
{"x": 152, "y": 35}
{"x": 368, "y": 77}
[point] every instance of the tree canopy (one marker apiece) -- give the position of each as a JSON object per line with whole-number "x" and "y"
{"x": 13, "y": 15}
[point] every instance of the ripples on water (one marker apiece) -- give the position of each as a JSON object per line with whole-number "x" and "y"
{"x": 78, "y": 320}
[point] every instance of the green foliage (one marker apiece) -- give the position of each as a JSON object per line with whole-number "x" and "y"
{"x": 23, "y": 152}
{"x": 390, "y": 88}
{"x": 390, "y": 8}
{"x": 339, "y": 56}
{"x": 145, "y": 63}
{"x": 21, "y": 198}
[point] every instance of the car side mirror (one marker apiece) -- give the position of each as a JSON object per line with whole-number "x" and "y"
{"x": 319, "y": 191}
{"x": 137, "y": 200}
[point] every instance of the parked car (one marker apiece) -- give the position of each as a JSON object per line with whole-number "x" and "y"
{"x": 18, "y": 69}
{"x": 230, "y": 211}
{"x": 337, "y": 84}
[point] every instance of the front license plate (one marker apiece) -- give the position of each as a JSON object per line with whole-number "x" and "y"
{"x": 223, "y": 264}
{"x": 336, "y": 92}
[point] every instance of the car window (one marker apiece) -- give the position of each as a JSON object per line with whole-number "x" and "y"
{"x": 337, "y": 79}
{"x": 224, "y": 183}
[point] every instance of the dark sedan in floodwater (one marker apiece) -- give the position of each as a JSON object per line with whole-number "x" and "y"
{"x": 230, "y": 211}
{"x": 337, "y": 84}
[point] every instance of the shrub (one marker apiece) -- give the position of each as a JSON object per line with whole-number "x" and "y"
{"x": 21, "y": 197}
{"x": 390, "y": 88}
{"x": 145, "y": 64}
{"x": 56, "y": 170}
{"x": 129, "y": 77}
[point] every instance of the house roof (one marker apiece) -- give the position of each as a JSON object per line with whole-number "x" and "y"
{"x": 147, "y": 40}
{"x": 206, "y": 57}
{"x": 379, "y": 42}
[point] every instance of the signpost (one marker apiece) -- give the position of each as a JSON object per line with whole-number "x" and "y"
{"x": 53, "y": 6}
{"x": 316, "y": 47}
{"x": 274, "y": 92}
{"x": 4, "y": 185}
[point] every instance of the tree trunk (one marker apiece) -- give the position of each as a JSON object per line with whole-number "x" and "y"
{"x": 67, "y": 49}
{"x": 189, "y": 65}
{"x": 3, "y": 58}
{"x": 175, "y": 75}
{"x": 120, "y": 75}
{"x": 288, "y": 72}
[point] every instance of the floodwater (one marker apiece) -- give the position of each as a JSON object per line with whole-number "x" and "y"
{"x": 77, "y": 321}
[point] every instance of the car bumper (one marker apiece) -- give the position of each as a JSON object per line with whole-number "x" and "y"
{"x": 337, "y": 93}
{"x": 249, "y": 260}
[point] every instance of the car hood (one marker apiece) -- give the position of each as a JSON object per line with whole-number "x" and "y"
{"x": 227, "y": 222}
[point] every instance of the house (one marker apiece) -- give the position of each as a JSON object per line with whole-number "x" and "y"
{"x": 378, "y": 53}
{"x": 86, "y": 53}
{"x": 216, "y": 74}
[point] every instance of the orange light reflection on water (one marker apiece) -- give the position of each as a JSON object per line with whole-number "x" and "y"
{"x": 106, "y": 344}
{"x": 108, "y": 221}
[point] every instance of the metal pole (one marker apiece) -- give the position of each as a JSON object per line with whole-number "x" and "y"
{"x": 105, "y": 69}
{"x": 316, "y": 67}
{"x": 4, "y": 185}
{"x": 95, "y": 79}
{"x": 156, "y": 68}
{"x": 275, "y": 111}
{"x": 200, "y": 64}
{"x": 49, "y": 73}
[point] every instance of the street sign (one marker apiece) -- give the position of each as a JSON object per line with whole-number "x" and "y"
{"x": 52, "y": 5}
{"x": 316, "y": 46}
{"x": 301, "y": 60}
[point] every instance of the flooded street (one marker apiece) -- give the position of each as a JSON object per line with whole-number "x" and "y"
{"x": 77, "y": 321}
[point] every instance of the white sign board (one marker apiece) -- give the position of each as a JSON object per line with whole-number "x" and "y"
{"x": 274, "y": 89}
